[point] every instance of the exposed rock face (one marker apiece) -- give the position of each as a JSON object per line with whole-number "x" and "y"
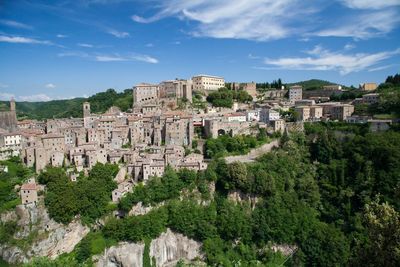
{"x": 50, "y": 238}
{"x": 167, "y": 250}
{"x": 61, "y": 240}
{"x": 123, "y": 255}
{"x": 238, "y": 197}
{"x": 139, "y": 209}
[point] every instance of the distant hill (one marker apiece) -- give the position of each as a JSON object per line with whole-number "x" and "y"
{"x": 312, "y": 84}
{"x": 99, "y": 102}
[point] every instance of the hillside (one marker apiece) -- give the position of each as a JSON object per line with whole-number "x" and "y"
{"x": 100, "y": 102}
{"x": 312, "y": 84}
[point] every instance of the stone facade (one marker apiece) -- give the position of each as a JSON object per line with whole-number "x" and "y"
{"x": 207, "y": 83}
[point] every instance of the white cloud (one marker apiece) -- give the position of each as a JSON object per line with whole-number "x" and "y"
{"x": 34, "y": 98}
{"x": 322, "y": 59}
{"x": 364, "y": 26}
{"x": 85, "y": 45}
{"x": 61, "y": 36}
{"x": 29, "y": 98}
{"x": 113, "y": 58}
{"x": 146, "y": 58}
{"x": 110, "y": 58}
{"x": 16, "y": 24}
{"x": 6, "y": 96}
{"x": 22, "y": 40}
{"x": 349, "y": 46}
{"x": 50, "y": 86}
{"x": 370, "y": 4}
{"x": 149, "y": 45}
{"x": 118, "y": 34}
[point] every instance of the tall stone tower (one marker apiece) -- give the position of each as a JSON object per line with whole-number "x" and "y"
{"x": 87, "y": 120}
{"x": 86, "y": 109}
{"x": 12, "y": 105}
{"x": 8, "y": 119}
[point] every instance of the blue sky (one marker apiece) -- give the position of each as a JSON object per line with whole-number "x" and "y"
{"x": 62, "y": 49}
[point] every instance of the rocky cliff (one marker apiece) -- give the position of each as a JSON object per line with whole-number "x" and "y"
{"x": 37, "y": 235}
{"x": 166, "y": 250}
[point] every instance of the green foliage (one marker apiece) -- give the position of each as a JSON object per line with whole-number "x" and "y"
{"x": 137, "y": 228}
{"x": 382, "y": 224}
{"x": 312, "y": 84}
{"x": 224, "y": 97}
{"x": 92, "y": 244}
{"x": 16, "y": 174}
{"x": 163, "y": 188}
{"x": 226, "y": 145}
{"x": 89, "y": 196}
{"x": 61, "y": 261}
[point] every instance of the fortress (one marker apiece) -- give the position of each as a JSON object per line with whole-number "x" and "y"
{"x": 8, "y": 119}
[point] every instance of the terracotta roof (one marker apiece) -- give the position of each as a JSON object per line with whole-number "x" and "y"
{"x": 28, "y": 187}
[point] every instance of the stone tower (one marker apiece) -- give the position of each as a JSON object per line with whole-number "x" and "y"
{"x": 86, "y": 109}
{"x": 12, "y": 105}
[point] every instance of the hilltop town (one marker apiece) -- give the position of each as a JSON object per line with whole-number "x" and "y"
{"x": 170, "y": 127}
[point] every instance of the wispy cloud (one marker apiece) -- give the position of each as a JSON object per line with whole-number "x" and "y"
{"x": 15, "y": 24}
{"x": 322, "y": 59}
{"x": 364, "y": 26}
{"x": 370, "y": 4}
{"x": 116, "y": 57}
{"x": 251, "y": 56}
{"x": 50, "y": 86}
{"x": 3, "y": 85}
{"x": 118, "y": 34}
{"x": 73, "y": 54}
{"x": 6, "y": 96}
{"x": 242, "y": 19}
{"x": 264, "y": 20}
{"x": 85, "y": 45}
{"x": 23, "y": 40}
{"x": 61, "y": 36}
{"x": 28, "y": 98}
{"x": 34, "y": 98}
{"x": 149, "y": 45}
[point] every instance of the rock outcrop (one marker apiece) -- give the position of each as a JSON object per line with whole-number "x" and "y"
{"x": 50, "y": 239}
{"x": 166, "y": 250}
{"x": 123, "y": 255}
{"x": 170, "y": 247}
{"x": 239, "y": 197}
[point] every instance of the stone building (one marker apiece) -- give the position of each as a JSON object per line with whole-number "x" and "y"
{"x": 205, "y": 83}
{"x": 28, "y": 193}
{"x": 176, "y": 89}
{"x": 368, "y": 86}
{"x": 267, "y": 115}
{"x": 145, "y": 93}
{"x": 295, "y": 93}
